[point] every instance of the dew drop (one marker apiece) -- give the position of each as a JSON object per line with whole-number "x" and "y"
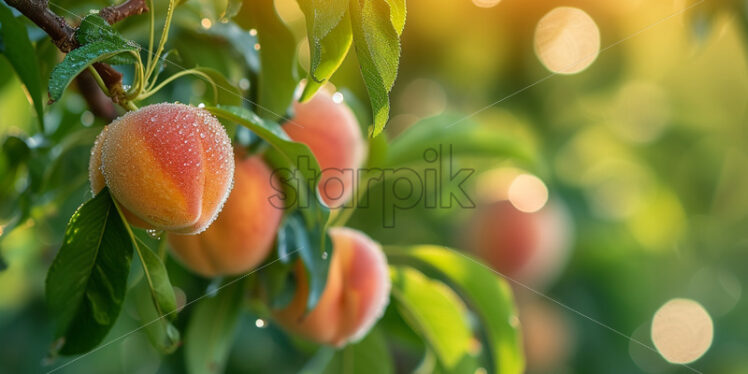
{"x": 154, "y": 233}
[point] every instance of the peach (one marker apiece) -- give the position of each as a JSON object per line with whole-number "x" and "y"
{"x": 547, "y": 336}
{"x": 333, "y": 135}
{"x": 527, "y": 247}
{"x": 243, "y": 234}
{"x": 170, "y": 167}
{"x": 356, "y": 294}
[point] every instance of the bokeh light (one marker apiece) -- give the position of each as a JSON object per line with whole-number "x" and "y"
{"x": 682, "y": 331}
{"x": 486, "y": 3}
{"x": 567, "y": 40}
{"x": 528, "y": 193}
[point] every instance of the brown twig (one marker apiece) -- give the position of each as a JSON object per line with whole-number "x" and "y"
{"x": 116, "y": 13}
{"x": 55, "y": 26}
{"x": 63, "y": 36}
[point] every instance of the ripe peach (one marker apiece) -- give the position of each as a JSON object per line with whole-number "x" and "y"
{"x": 243, "y": 234}
{"x": 356, "y": 294}
{"x": 527, "y": 247}
{"x": 170, "y": 166}
{"x": 333, "y": 135}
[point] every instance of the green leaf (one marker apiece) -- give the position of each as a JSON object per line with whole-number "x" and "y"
{"x": 329, "y": 32}
{"x": 16, "y": 166}
{"x": 277, "y": 283}
{"x": 22, "y": 56}
{"x": 369, "y": 356}
{"x": 484, "y": 292}
{"x": 93, "y": 28}
{"x": 397, "y": 14}
{"x": 86, "y": 283}
{"x": 320, "y": 361}
{"x": 161, "y": 333}
{"x": 80, "y": 58}
{"x": 464, "y": 136}
{"x": 377, "y": 46}
{"x": 157, "y": 279}
{"x": 16, "y": 151}
{"x": 163, "y": 299}
{"x": 316, "y": 260}
{"x": 211, "y": 330}
{"x": 278, "y": 78}
{"x": 241, "y": 41}
{"x": 433, "y": 310}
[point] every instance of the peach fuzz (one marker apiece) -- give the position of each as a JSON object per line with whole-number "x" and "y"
{"x": 355, "y": 296}
{"x": 169, "y": 166}
{"x": 242, "y": 236}
{"x": 333, "y": 135}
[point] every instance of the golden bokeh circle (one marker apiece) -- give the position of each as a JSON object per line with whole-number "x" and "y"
{"x": 567, "y": 40}
{"x": 682, "y": 331}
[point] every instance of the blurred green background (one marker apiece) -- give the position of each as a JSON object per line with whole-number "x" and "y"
{"x": 647, "y": 149}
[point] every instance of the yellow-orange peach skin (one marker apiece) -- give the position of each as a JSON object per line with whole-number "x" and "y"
{"x": 333, "y": 135}
{"x": 243, "y": 234}
{"x": 170, "y": 166}
{"x": 356, "y": 294}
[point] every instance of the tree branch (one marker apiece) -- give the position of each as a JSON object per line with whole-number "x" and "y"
{"x": 116, "y": 13}
{"x": 63, "y": 36}
{"x": 55, "y": 26}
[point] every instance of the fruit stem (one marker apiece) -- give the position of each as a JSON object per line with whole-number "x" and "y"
{"x": 139, "y": 83}
{"x": 98, "y": 79}
{"x": 151, "y": 91}
{"x": 131, "y": 106}
{"x": 162, "y": 249}
{"x": 162, "y": 42}
{"x": 149, "y": 59}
